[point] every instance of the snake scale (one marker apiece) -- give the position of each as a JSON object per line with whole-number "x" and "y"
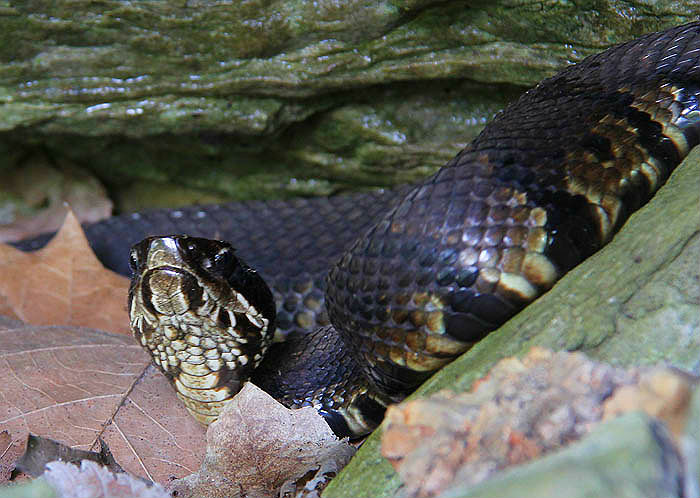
{"x": 375, "y": 292}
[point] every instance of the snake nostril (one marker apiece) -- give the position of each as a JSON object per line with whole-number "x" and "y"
{"x": 223, "y": 319}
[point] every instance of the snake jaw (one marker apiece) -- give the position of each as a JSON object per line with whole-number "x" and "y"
{"x": 202, "y": 334}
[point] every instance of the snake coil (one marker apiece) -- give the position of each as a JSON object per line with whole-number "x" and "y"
{"x": 417, "y": 276}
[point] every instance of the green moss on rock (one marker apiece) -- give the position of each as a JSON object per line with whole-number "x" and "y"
{"x": 156, "y": 90}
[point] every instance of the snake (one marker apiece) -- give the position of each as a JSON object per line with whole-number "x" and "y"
{"x": 348, "y": 303}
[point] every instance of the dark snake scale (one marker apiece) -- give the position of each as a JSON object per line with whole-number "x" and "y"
{"x": 375, "y": 292}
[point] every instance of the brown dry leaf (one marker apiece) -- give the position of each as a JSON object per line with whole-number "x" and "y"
{"x": 63, "y": 284}
{"x": 10, "y": 451}
{"x": 91, "y": 480}
{"x": 6, "y": 311}
{"x": 42, "y": 450}
{"x": 75, "y": 385}
{"x": 258, "y": 447}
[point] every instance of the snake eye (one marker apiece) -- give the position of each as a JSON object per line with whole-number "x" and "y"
{"x": 133, "y": 260}
{"x": 223, "y": 263}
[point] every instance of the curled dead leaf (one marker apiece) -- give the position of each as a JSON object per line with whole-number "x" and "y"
{"x": 257, "y": 447}
{"x": 42, "y": 450}
{"x": 10, "y": 451}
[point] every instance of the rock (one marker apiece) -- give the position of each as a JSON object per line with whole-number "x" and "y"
{"x": 278, "y": 98}
{"x": 521, "y": 410}
{"x": 630, "y": 456}
{"x": 690, "y": 447}
{"x": 661, "y": 393}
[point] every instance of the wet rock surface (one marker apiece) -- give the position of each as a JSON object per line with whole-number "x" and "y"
{"x": 220, "y": 100}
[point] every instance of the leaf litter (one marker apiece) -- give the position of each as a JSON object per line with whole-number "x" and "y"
{"x": 36, "y": 193}
{"x": 258, "y": 447}
{"x": 41, "y": 450}
{"x": 74, "y": 374}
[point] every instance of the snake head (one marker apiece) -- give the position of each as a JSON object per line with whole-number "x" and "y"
{"x": 205, "y": 317}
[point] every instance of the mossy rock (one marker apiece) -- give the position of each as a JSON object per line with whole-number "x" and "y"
{"x": 260, "y": 99}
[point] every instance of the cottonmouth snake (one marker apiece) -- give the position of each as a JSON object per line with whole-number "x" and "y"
{"x": 420, "y": 274}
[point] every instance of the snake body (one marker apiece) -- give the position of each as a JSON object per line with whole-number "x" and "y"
{"x": 383, "y": 289}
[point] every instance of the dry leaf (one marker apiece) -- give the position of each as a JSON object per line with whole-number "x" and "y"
{"x": 76, "y": 385}
{"x": 152, "y": 434}
{"x": 257, "y": 446}
{"x": 42, "y": 450}
{"x": 10, "y": 451}
{"x": 6, "y": 311}
{"x": 44, "y": 189}
{"x": 63, "y": 284}
{"x": 91, "y": 480}
{"x": 9, "y": 323}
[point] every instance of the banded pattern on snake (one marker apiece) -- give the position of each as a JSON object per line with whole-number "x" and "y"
{"x": 383, "y": 289}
